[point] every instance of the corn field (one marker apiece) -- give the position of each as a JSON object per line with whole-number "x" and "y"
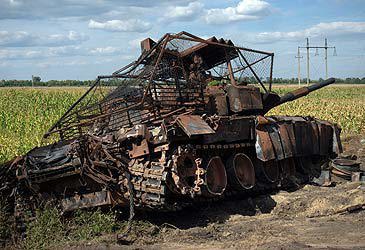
{"x": 26, "y": 113}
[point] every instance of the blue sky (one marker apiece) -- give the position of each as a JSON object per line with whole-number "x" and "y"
{"x": 80, "y": 39}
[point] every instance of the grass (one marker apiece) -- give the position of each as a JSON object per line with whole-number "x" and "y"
{"x": 26, "y": 114}
{"x": 50, "y": 229}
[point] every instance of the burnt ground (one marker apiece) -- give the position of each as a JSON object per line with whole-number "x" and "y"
{"x": 311, "y": 217}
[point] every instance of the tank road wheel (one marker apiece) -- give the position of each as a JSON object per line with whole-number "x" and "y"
{"x": 194, "y": 176}
{"x": 287, "y": 168}
{"x": 308, "y": 168}
{"x": 241, "y": 172}
{"x": 269, "y": 171}
{"x": 216, "y": 176}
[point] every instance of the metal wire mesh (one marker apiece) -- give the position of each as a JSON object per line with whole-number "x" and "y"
{"x": 172, "y": 75}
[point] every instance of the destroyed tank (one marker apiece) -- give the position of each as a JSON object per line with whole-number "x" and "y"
{"x": 185, "y": 125}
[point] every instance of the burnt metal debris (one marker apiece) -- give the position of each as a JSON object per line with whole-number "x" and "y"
{"x": 186, "y": 125}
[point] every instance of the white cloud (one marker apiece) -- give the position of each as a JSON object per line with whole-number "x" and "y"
{"x": 332, "y": 29}
{"x": 253, "y": 7}
{"x": 184, "y": 13}
{"x": 105, "y": 50}
{"x": 26, "y": 39}
{"x": 131, "y": 25}
{"x": 64, "y": 51}
{"x": 245, "y": 10}
{"x": 55, "y": 52}
{"x": 19, "y": 54}
{"x": 45, "y": 9}
{"x": 4, "y": 64}
{"x": 57, "y": 63}
{"x": 13, "y": 3}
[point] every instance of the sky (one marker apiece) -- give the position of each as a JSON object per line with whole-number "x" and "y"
{"x": 80, "y": 39}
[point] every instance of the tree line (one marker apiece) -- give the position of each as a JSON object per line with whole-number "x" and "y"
{"x": 349, "y": 80}
{"x": 58, "y": 83}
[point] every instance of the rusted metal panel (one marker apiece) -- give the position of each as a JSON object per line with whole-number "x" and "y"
{"x": 244, "y": 98}
{"x": 233, "y": 129}
{"x": 89, "y": 200}
{"x": 303, "y": 138}
{"x": 310, "y": 139}
{"x": 297, "y": 136}
{"x": 281, "y": 142}
{"x": 218, "y": 100}
{"x": 264, "y": 147}
{"x": 256, "y": 99}
{"x": 147, "y": 45}
{"x": 290, "y": 130}
{"x": 287, "y": 141}
{"x": 139, "y": 150}
{"x": 325, "y": 137}
{"x": 315, "y": 140}
{"x": 221, "y": 104}
{"x": 194, "y": 125}
{"x": 337, "y": 146}
{"x": 276, "y": 141}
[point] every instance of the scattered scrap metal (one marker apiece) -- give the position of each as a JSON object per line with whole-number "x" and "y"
{"x": 187, "y": 125}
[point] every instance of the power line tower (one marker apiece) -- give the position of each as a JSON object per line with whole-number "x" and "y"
{"x": 307, "y": 47}
{"x": 299, "y": 57}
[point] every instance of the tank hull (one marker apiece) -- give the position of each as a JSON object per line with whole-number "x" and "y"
{"x": 168, "y": 169}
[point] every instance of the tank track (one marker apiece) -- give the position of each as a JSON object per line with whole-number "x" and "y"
{"x": 149, "y": 182}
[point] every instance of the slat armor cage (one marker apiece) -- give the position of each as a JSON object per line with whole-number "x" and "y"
{"x": 170, "y": 76}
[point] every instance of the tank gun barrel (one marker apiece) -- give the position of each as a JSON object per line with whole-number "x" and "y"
{"x": 293, "y": 95}
{"x": 272, "y": 100}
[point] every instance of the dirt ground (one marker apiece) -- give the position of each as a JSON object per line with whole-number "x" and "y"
{"x": 311, "y": 217}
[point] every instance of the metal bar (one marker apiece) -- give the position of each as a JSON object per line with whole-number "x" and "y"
{"x": 253, "y": 72}
{"x": 325, "y": 56}
{"x": 72, "y": 107}
{"x": 167, "y": 39}
{"x": 298, "y": 65}
{"x": 317, "y": 47}
{"x": 271, "y": 70}
{"x": 230, "y": 71}
{"x": 219, "y": 44}
{"x": 307, "y": 61}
